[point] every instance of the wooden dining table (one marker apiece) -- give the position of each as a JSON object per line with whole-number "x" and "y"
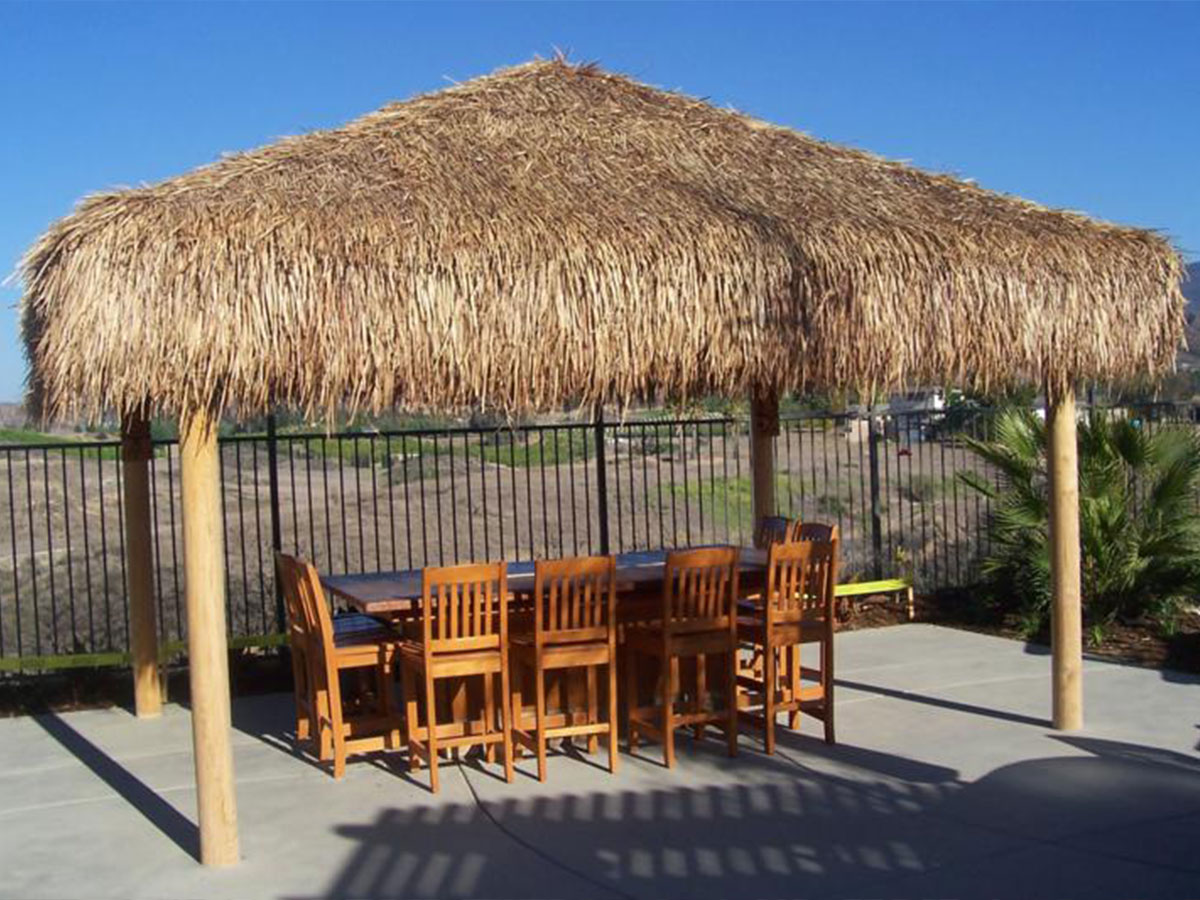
{"x": 396, "y": 596}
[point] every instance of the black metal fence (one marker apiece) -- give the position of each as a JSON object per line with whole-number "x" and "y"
{"x": 405, "y": 499}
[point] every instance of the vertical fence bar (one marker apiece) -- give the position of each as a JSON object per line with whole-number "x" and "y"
{"x": 617, "y": 484}
{"x": 876, "y": 518}
{"x": 601, "y": 480}
{"x": 276, "y": 528}
{"x": 258, "y": 542}
{"x": 12, "y": 526}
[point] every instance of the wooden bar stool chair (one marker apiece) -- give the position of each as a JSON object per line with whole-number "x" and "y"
{"x": 699, "y": 617}
{"x": 574, "y": 626}
{"x": 799, "y": 600}
{"x": 770, "y": 530}
{"x": 333, "y": 646}
{"x": 821, "y": 533}
{"x": 464, "y": 633}
{"x": 303, "y": 690}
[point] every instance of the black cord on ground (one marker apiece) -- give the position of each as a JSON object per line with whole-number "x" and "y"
{"x": 541, "y": 854}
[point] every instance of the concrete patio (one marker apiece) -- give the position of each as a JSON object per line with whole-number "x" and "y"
{"x": 947, "y": 782}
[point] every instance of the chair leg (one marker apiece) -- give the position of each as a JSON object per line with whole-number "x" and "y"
{"x": 827, "y": 687}
{"x": 431, "y": 742}
{"x": 301, "y": 679}
{"x": 408, "y": 689}
{"x": 631, "y": 696}
{"x": 303, "y": 723}
{"x": 794, "y": 657}
{"x": 593, "y": 701}
{"x": 517, "y": 701}
{"x": 506, "y": 725}
{"x": 307, "y": 724}
{"x": 731, "y": 727}
{"x": 670, "y": 680}
{"x": 612, "y": 713}
{"x": 387, "y": 697}
{"x": 701, "y": 693}
{"x": 489, "y": 716}
{"x": 324, "y": 733}
{"x": 337, "y": 727}
{"x": 769, "y": 679}
{"x": 540, "y": 723}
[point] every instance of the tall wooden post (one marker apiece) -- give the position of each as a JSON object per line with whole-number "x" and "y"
{"x": 208, "y": 661}
{"x": 143, "y": 619}
{"x": 764, "y": 427}
{"x": 1066, "y": 615}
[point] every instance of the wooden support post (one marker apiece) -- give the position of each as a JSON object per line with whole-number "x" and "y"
{"x": 143, "y": 619}
{"x": 1066, "y": 615}
{"x": 208, "y": 661}
{"x": 764, "y": 427}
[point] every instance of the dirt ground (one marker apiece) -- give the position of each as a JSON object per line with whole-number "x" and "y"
{"x": 1142, "y": 644}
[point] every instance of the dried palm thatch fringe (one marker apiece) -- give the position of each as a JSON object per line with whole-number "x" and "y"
{"x": 556, "y": 234}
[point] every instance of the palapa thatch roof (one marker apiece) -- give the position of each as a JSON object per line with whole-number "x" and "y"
{"x": 554, "y": 233}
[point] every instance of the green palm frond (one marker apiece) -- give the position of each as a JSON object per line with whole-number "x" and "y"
{"x": 1138, "y": 515}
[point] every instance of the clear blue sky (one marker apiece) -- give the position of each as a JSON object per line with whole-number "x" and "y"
{"x": 1094, "y": 107}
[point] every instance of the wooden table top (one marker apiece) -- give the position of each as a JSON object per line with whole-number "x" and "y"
{"x": 381, "y": 593}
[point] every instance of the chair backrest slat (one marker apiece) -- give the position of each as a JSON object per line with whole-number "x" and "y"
{"x": 700, "y": 590}
{"x": 464, "y": 607}
{"x": 574, "y": 599}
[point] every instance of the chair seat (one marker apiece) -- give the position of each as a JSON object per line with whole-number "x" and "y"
{"x": 753, "y": 629}
{"x": 465, "y": 662}
{"x": 562, "y": 656}
{"x": 649, "y": 639}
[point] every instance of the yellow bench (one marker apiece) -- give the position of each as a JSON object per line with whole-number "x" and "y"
{"x": 887, "y": 586}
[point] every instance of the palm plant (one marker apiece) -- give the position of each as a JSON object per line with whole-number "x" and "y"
{"x": 1139, "y": 528}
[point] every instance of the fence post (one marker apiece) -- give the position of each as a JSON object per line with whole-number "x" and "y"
{"x": 276, "y": 536}
{"x": 876, "y": 520}
{"x": 601, "y": 479}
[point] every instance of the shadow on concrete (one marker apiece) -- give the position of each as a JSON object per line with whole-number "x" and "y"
{"x": 943, "y": 703}
{"x": 1135, "y": 753}
{"x": 270, "y": 718}
{"x": 161, "y": 814}
{"x": 1038, "y": 828}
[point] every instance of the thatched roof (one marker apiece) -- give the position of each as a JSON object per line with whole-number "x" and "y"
{"x": 554, "y": 233}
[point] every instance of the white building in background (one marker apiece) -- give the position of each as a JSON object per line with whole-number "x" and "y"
{"x": 919, "y": 400}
